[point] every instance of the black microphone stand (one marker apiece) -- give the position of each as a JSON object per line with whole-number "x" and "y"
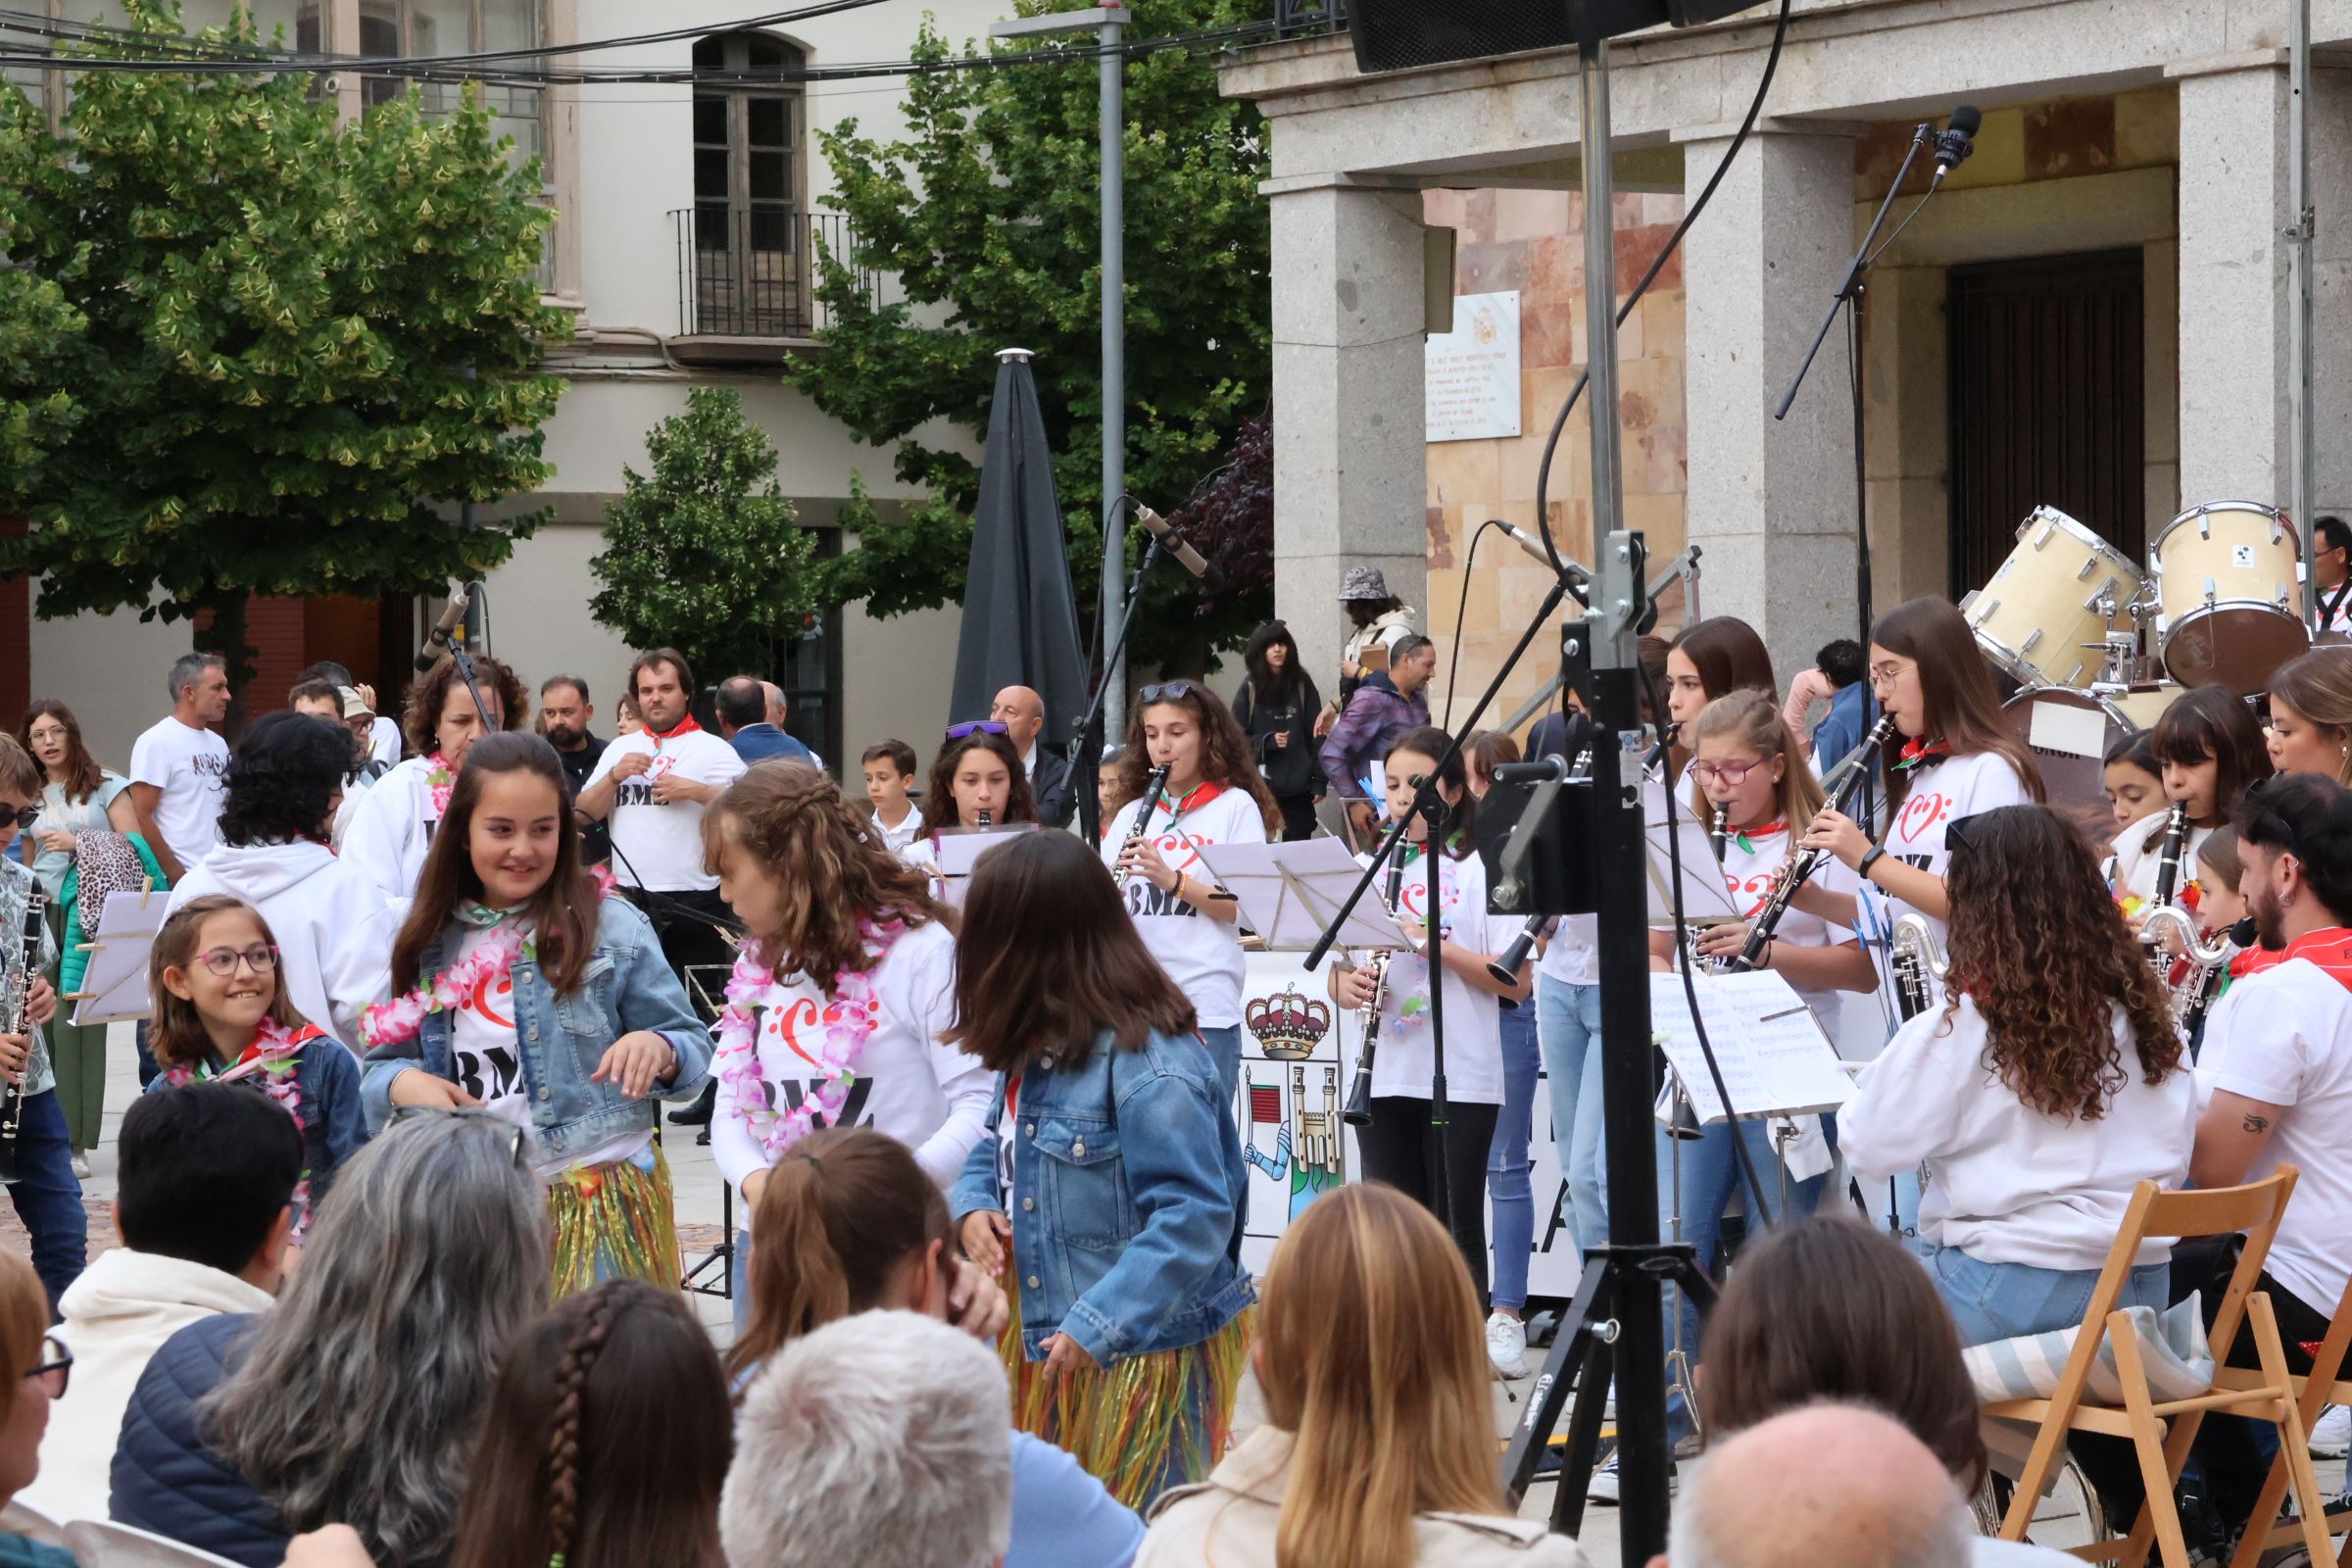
{"x": 1087, "y": 740}
{"x": 1849, "y": 296}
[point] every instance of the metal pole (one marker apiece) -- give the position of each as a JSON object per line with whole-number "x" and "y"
{"x": 1626, "y": 1090}
{"x": 1114, "y": 356}
{"x": 2300, "y": 501}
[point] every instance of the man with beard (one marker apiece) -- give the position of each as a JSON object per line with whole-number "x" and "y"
{"x": 565, "y": 711}
{"x": 2278, "y": 1056}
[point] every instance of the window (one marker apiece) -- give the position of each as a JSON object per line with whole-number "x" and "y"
{"x": 416, "y": 28}
{"x": 750, "y": 249}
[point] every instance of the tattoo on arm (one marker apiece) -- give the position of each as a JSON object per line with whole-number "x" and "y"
{"x": 2257, "y": 1123}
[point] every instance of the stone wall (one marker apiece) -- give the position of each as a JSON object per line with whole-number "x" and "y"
{"x": 1532, "y": 241}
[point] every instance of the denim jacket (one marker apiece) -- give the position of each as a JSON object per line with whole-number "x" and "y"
{"x": 626, "y": 987}
{"x": 1126, "y": 1184}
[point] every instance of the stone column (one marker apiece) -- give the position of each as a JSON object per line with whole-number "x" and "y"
{"x": 2234, "y": 359}
{"x": 1349, "y": 480}
{"x": 1771, "y": 503}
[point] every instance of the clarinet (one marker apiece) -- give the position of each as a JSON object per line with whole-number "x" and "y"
{"x": 1720, "y": 830}
{"x": 1153, "y": 788}
{"x": 1359, "y": 1094}
{"x": 15, "y": 1019}
{"x": 1843, "y": 783}
{"x": 2167, "y": 863}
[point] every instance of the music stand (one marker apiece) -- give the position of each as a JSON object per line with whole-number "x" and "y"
{"x": 113, "y": 987}
{"x": 960, "y": 849}
{"x": 1290, "y": 893}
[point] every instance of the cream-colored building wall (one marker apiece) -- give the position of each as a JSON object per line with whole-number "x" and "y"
{"x": 110, "y": 669}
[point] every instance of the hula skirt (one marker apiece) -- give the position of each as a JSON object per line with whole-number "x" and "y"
{"x": 613, "y": 1221}
{"x": 1138, "y": 1426}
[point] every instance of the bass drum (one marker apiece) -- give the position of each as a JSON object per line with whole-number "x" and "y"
{"x": 2068, "y": 732}
{"x": 2224, "y": 586}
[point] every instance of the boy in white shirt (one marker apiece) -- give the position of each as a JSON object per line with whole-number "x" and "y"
{"x": 889, "y": 771}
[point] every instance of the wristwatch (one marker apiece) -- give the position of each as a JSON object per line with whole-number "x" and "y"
{"x": 1870, "y": 858}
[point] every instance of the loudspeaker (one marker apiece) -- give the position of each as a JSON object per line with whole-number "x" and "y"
{"x": 1401, "y": 35}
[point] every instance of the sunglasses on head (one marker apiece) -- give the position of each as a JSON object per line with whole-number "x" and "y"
{"x": 975, "y": 726}
{"x": 21, "y": 816}
{"x": 1174, "y": 691}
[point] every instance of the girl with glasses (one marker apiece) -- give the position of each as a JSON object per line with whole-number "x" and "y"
{"x": 837, "y": 1008}
{"x": 222, "y": 1012}
{"x": 1212, "y": 795}
{"x": 518, "y": 986}
{"x": 977, "y": 773}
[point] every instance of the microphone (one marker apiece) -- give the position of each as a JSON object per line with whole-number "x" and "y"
{"x": 1955, "y": 141}
{"x": 1535, "y": 771}
{"x": 1186, "y": 556}
{"x": 1534, "y": 547}
{"x": 437, "y": 641}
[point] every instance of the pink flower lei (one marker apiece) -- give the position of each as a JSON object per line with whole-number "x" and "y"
{"x": 387, "y": 1024}
{"x": 441, "y": 779}
{"x": 851, "y": 1020}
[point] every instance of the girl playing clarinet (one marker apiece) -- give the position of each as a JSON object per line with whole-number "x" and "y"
{"x": 978, "y": 781}
{"x": 1211, "y": 793}
{"x": 2210, "y": 749}
{"x": 1402, "y": 1147}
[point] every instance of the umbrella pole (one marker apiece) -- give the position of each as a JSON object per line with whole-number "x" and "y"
{"x": 1090, "y": 728}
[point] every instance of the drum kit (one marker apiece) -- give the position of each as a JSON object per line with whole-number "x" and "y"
{"x": 2098, "y": 648}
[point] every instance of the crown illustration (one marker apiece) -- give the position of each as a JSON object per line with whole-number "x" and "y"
{"x": 1288, "y": 1025}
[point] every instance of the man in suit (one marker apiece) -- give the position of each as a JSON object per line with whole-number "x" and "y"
{"x": 743, "y": 719}
{"x": 1022, "y": 713}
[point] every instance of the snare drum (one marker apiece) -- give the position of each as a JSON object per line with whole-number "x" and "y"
{"x": 2068, "y": 732}
{"x": 2045, "y": 615}
{"x": 2226, "y": 596}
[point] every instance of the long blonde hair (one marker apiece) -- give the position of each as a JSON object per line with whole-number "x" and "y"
{"x": 1374, "y": 1360}
{"x": 1754, "y": 718}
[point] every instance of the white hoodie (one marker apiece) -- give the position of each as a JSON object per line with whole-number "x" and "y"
{"x": 116, "y": 1316}
{"x": 334, "y": 929}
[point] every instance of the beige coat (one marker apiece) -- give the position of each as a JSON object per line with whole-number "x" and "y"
{"x": 1229, "y": 1520}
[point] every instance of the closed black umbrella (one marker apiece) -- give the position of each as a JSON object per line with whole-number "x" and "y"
{"x": 1020, "y": 620}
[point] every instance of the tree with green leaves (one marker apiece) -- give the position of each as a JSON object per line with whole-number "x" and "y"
{"x": 705, "y": 554}
{"x": 36, "y": 322}
{"x": 304, "y": 346}
{"x": 987, "y": 214}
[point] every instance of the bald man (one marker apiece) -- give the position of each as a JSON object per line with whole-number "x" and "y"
{"x": 1022, "y": 713}
{"x": 1828, "y": 1484}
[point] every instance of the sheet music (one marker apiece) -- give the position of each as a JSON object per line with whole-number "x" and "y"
{"x": 1290, "y": 892}
{"x": 1776, "y": 1061}
{"x": 115, "y": 985}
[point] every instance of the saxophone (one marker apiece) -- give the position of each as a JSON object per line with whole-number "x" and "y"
{"x": 15, "y": 1019}
{"x": 2208, "y": 961}
{"x": 1918, "y": 962}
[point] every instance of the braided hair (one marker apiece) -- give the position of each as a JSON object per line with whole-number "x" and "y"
{"x": 607, "y": 1440}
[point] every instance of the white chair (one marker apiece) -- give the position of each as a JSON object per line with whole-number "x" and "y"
{"x": 21, "y": 1518}
{"x": 103, "y": 1543}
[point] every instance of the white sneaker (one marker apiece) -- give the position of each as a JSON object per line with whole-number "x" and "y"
{"x": 82, "y": 1167}
{"x": 1506, "y": 1345}
{"x": 1603, "y": 1487}
{"x": 2330, "y": 1435}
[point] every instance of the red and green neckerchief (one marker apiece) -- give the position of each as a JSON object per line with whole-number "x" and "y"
{"x": 1746, "y": 836}
{"x": 1918, "y": 753}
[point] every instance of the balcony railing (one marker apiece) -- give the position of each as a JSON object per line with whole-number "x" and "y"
{"x": 1308, "y": 19}
{"x": 752, "y": 273}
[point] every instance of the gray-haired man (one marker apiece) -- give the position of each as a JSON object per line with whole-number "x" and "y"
{"x": 179, "y": 767}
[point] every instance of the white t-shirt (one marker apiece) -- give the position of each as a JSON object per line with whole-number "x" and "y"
{"x": 1573, "y": 954}
{"x": 2284, "y": 1036}
{"x": 1941, "y": 793}
{"x": 905, "y": 833}
{"x": 2008, "y": 1184}
{"x": 928, "y": 1096}
{"x": 2139, "y": 854}
{"x": 1751, "y": 871}
{"x": 190, "y": 766}
{"x": 488, "y": 1062}
{"x": 383, "y": 740}
{"x": 1203, "y": 956}
{"x": 1473, "y": 1018}
{"x": 655, "y": 847}
{"x": 390, "y": 829}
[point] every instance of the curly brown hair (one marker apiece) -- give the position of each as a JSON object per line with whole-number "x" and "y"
{"x": 939, "y": 796}
{"x": 834, "y": 867}
{"x": 2039, "y": 944}
{"x": 420, "y": 718}
{"x": 1224, "y": 749}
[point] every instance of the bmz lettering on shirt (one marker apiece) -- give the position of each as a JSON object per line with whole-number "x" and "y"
{"x": 503, "y": 1066}
{"x": 1182, "y": 852}
{"x": 793, "y": 1092}
{"x": 639, "y": 790}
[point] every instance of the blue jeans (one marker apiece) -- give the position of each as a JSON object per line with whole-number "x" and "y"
{"x": 1508, "y": 1188}
{"x": 739, "y": 1278}
{"x": 1568, "y": 1017}
{"x": 47, "y": 1196}
{"x": 1710, "y": 1177}
{"x": 1992, "y": 1301}
{"x": 1225, "y": 1048}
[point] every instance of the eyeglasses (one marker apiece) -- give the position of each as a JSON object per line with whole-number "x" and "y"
{"x": 1884, "y": 674}
{"x": 22, "y": 816}
{"x": 56, "y": 1368}
{"x": 1731, "y": 773}
{"x": 260, "y": 958}
{"x": 975, "y": 726}
{"x": 498, "y": 1124}
{"x": 1174, "y": 691}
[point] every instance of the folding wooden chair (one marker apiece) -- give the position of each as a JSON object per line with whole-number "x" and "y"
{"x": 2160, "y": 1432}
{"x": 2326, "y": 1385}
